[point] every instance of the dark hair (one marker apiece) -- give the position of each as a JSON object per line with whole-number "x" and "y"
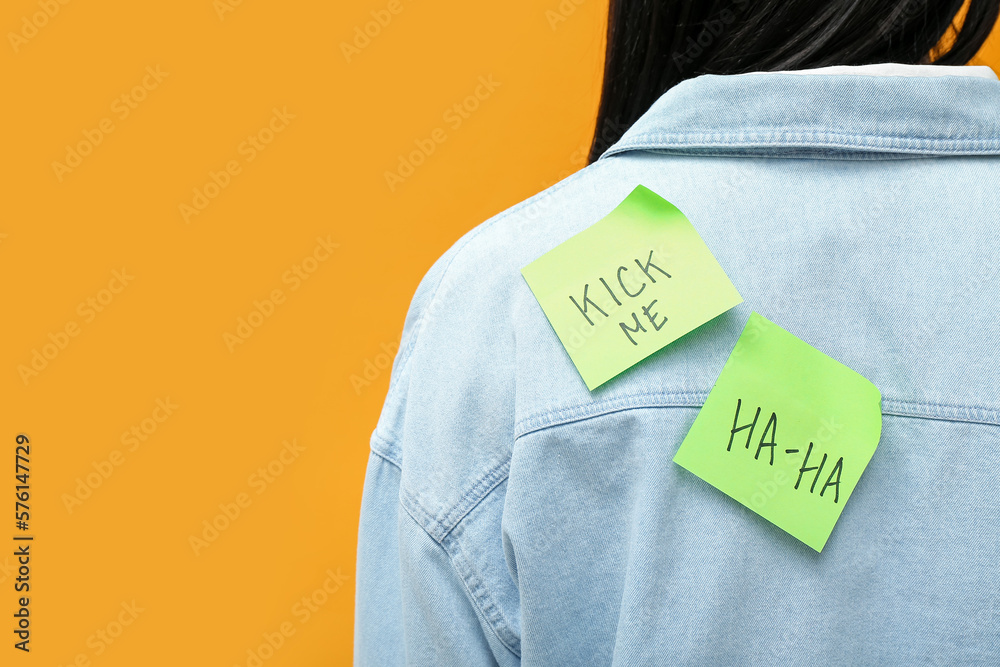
{"x": 655, "y": 44}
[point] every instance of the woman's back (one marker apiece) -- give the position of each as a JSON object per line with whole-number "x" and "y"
{"x": 513, "y": 516}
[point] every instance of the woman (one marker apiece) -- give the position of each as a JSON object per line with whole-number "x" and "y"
{"x": 848, "y": 188}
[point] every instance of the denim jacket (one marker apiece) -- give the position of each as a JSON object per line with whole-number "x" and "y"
{"x": 510, "y": 516}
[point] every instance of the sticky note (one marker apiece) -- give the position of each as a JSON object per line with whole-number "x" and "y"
{"x": 786, "y": 431}
{"x": 628, "y": 285}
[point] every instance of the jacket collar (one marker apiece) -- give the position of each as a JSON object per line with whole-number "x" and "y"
{"x": 869, "y": 112}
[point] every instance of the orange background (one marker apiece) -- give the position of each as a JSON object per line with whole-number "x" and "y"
{"x": 114, "y": 516}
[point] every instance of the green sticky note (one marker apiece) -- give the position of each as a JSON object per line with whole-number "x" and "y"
{"x": 786, "y": 431}
{"x": 628, "y": 285}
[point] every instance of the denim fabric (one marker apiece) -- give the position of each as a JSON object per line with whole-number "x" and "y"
{"x": 511, "y": 516}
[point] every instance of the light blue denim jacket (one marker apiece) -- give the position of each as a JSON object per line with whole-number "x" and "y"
{"x": 510, "y": 516}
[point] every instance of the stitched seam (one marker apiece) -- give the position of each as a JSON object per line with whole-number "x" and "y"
{"x": 440, "y": 525}
{"x": 385, "y": 449}
{"x": 890, "y": 407}
{"x": 388, "y": 460}
{"x": 801, "y": 152}
{"x": 474, "y": 496}
{"x": 940, "y": 411}
{"x": 480, "y": 594}
{"x": 770, "y": 138}
{"x": 475, "y": 591}
{"x": 423, "y": 518}
{"x": 786, "y": 136}
{"x": 546, "y": 419}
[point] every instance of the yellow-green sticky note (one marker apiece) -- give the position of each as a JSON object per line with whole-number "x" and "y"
{"x": 628, "y": 285}
{"x": 786, "y": 431}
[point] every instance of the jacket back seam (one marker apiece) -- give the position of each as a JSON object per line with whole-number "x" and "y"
{"x": 890, "y": 407}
